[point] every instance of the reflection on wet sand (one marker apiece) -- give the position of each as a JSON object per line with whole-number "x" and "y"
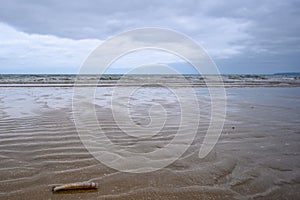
{"x": 257, "y": 156}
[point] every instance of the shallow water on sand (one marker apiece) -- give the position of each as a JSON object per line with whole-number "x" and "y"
{"x": 256, "y": 157}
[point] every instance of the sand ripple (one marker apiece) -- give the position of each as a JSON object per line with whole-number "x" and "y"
{"x": 257, "y": 159}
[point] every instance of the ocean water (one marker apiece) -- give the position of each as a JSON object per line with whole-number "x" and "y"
{"x": 41, "y": 80}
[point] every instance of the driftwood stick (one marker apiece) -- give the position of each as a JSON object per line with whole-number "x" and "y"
{"x": 75, "y": 186}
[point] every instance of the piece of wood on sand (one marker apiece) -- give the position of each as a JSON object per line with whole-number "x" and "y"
{"x": 76, "y": 186}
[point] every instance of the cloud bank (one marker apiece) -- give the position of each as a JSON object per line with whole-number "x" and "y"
{"x": 241, "y": 36}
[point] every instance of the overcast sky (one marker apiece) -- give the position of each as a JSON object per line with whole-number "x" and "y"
{"x": 240, "y": 36}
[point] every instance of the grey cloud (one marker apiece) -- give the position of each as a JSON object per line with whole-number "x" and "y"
{"x": 100, "y": 19}
{"x": 275, "y": 24}
{"x": 232, "y": 27}
{"x": 76, "y": 19}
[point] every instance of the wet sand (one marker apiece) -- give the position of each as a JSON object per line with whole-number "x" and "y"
{"x": 256, "y": 157}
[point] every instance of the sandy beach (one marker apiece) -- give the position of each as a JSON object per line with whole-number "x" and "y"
{"x": 149, "y": 100}
{"x": 256, "y": 157}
